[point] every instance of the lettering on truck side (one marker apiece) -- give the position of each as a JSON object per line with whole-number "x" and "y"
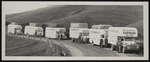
{"x": 129, "y": 33}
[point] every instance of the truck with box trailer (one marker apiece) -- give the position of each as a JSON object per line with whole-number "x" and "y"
{"x": 55, "y": 33}
{"x": 79, "y": 32}
{"x": 14, "y": 29}
{"x": 97, "y": 32}
{"x": 128, "y": 34}
{"x": 33, "y": 30}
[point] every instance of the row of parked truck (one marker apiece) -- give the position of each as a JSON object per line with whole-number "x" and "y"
{"x": 101, "y": 34}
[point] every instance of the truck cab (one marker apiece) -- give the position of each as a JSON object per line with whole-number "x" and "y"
{"x": 39, "y": 31}
{"x": 84, "y": 35}
{"x": 129, "y": 44}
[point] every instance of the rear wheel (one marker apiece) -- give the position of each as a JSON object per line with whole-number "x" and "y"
{"x": 73, "y": 39}
{"x": 112, "y": 47}
{"x": 93, "y": 43}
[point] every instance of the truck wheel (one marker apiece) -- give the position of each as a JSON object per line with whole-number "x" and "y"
{"x": 112, "y": 48}
{"x": 73, "y": 40}
{"x": 81, "y": 40}
{"x": 93, "y": 43}
{"x": 123, "y": 50}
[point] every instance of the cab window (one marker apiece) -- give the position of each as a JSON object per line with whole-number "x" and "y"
{"x": 128, "y": 39}
{"x": 85, "y": 34}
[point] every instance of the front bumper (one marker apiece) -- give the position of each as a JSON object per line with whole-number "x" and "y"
{"x": 85, "y": 39}
{"x": 132, "y": 47}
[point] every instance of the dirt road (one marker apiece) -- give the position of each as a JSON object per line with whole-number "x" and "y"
{"x": 78, "y": 49}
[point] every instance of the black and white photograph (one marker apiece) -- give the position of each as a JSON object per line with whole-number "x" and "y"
{"x": 38, "y": 30}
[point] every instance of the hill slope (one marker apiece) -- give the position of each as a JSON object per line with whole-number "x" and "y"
{"x": 92, "y": 14}
{"x": 138, "y": 25}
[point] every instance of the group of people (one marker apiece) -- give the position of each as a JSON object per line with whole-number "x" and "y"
{"x": 103, "y": 42}
{"x": 119, "y": 44}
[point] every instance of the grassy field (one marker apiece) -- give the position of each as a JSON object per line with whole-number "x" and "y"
{"x": 25, "y": 47}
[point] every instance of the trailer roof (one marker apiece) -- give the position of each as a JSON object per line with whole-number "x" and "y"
{"x": 124, "y": 31}
{"x": 120, "y": 28}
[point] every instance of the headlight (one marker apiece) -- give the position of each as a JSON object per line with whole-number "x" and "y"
{"x": 125, "y": 44}
{"x": 128, "y": 47}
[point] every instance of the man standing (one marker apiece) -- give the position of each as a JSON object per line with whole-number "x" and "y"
{"x": 106, "y": 42}
{"x": 80, "y": 38}
{"x": 102, "y": 43}
{"x": 119, "y": 45}
{"x": 35, "y": 33}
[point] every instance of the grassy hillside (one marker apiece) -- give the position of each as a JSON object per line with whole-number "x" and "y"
{"x": 114, "y": 15}
{"x": 24, "y": 47}
{"x": 43, "y": 15}
{"x": 92, "y": 14}
{"x": 138, "y": 25}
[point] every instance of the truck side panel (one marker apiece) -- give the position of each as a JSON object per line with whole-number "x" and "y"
{"x": 74, "y": 32}
{"x": 50, "y": 33}
{"x": 112, "y": 37}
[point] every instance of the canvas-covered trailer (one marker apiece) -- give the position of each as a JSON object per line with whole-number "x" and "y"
{"x": 128, "y": 35}
{"x": 14, "y": 29}
{"x": 58, "y": 33}
{"x": 33, "y": 30}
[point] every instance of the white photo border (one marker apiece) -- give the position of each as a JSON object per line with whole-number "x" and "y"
{"x": 145, "y": 25}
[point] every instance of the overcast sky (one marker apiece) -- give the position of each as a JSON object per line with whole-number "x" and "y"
{"x": 16, "y": 7}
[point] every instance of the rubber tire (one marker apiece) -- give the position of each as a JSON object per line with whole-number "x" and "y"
{"x": 100, "y": 45}
{"x": 112, "y": 48}
{"x": 81, "y": 40}
{"x": 93, "y": 43}
{"x": 73, "y": 39}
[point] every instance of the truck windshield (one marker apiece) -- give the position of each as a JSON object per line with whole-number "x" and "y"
{"x": 39, "y": 30}
{"x": 128, "y": 39}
